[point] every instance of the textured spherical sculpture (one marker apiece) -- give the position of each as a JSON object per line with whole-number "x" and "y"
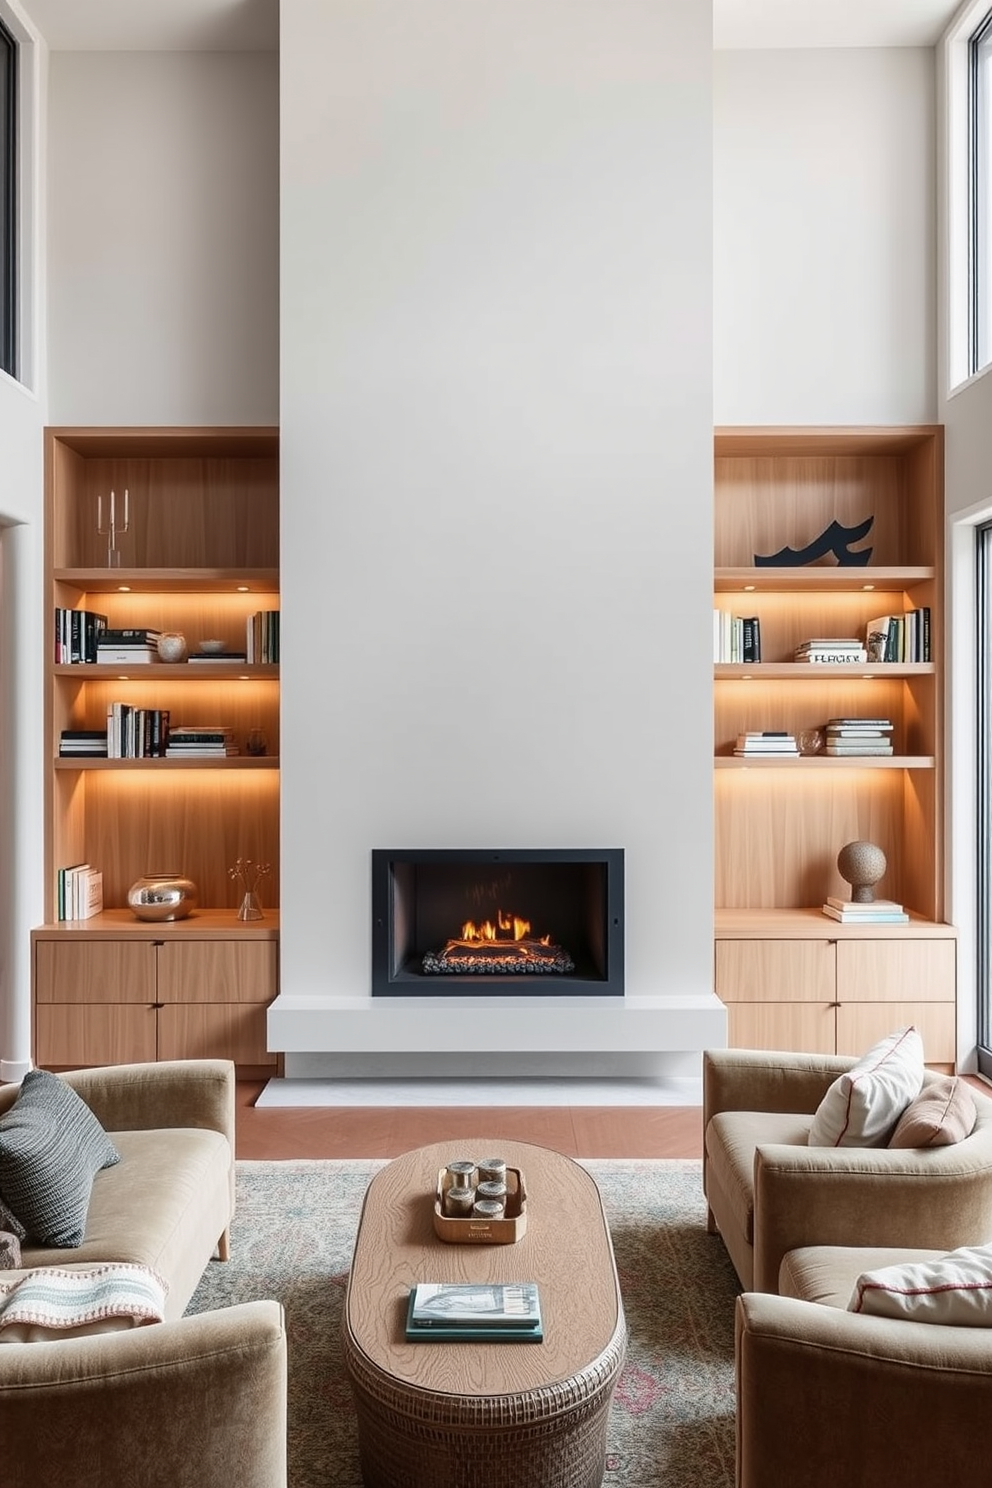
{"x": 862, "y": 864}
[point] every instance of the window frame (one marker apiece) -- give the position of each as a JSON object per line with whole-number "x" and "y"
{"x": 9, "y": 149}
{"x": 983, "y": 789}
{"x": 980, "y": 195}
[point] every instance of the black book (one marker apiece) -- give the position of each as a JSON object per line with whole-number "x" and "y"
{"x": 751, "y": 638}
{"x": 138, "y": 637}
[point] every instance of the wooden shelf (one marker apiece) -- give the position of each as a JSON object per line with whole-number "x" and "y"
{"x": 160, "y": 671}
{"x": 826, "y": 762}
{"x": 226, "y": 762}
{"x": 806, "y": 924}
{"x": 199, "y": 924}
{"x": 170, "y": 580}
{"x": 809, "y": 671}
{"x": 816, "y": 579}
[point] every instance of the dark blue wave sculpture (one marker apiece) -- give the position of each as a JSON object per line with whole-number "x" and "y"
{"x": 834, "y": 539}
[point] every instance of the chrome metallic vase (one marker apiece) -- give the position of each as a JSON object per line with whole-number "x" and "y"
{"x": 162, "y": 896}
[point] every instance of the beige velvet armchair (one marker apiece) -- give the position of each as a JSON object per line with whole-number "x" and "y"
{"x": 182, "y": 1404}
{"x": 768, "y": 1192}
{"x": 826, "y": 1396}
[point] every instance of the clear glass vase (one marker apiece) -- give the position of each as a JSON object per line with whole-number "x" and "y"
{"x": 249, "y": 908}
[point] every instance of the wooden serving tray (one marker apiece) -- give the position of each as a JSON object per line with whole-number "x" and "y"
{"x": 504, "y": 1231}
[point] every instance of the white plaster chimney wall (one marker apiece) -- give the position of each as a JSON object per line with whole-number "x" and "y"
{"x": 497, "y": 434}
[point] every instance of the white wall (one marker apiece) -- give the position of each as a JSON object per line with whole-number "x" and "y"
{"x": 824, "y": 234}
{"x": 163, "y": 255}
{"x": 22, "y": 416}
{"x": 161, "y": 286}
{"x": 497, "y": 423}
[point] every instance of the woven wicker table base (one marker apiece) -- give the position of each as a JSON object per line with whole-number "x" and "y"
{"x": 481, "y": 1415}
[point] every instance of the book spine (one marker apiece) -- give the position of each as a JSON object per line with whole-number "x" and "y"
{"x": 75, "y": 636}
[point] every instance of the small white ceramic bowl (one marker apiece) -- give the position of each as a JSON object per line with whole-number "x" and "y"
{"x": 212, "y": 648}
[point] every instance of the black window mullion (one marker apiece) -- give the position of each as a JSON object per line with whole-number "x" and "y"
{"x": 983, "y": 593}
{"x": 8, "y": 201}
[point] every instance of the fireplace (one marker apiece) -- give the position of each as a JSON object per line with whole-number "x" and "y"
{"x": 481, "y": 923}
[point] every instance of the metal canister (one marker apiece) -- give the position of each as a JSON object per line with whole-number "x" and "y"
{"x": 495, "y": 1191}
{"x": 461, "y": 1173}
{"x": 487, "y": 1209}
{"x": 458, "y": 1202}
{"x": 492, "y": 1170}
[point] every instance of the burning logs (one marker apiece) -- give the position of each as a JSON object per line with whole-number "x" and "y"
{"x": 499, "y": 958}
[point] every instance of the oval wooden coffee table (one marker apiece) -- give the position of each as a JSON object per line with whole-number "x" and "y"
{"x": 507, "y": 1415}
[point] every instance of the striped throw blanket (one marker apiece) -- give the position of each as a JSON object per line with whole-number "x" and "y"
{"x": 59, "y": 1302}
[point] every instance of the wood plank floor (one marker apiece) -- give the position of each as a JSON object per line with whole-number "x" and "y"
{"x": 577, "y": 1131}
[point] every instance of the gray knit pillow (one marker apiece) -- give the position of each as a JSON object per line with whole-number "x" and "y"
{"x": 9, "y": 1223}
{"x": 51, "y": 1149}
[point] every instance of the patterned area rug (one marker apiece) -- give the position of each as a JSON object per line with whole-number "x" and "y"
{"x": 672, "y": 1421}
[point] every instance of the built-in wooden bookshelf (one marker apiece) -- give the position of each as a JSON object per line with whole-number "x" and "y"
{"x": 780, "y": 823}
{"x": 200, "y": 555}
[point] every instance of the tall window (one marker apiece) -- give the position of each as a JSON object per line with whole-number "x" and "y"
{"x": 8, "y": 201}
{"x": 980, "y": 55}
{"x": 983, "y": 592}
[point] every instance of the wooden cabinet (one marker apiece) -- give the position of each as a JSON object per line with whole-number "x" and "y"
{"x": 795, "y": 981}
{"x": 196, "y": 988}
{"x": 199, "y": 554}
{"x": 791, "y": 977}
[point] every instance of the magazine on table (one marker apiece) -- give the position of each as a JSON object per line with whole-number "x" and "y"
{"x": 508, "y": 1310}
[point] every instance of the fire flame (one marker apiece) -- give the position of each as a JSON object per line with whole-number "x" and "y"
{"x": 508, "y": 926}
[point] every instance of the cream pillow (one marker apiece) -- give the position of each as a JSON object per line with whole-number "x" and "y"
{"x": 956, "y": 1289}
{"x": 862, "y": 1106}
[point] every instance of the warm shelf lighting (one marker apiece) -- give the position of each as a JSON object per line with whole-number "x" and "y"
{"x": 244, "y": 589}
{"x": 123, "y": 588}
{"x": 867, "y": 586}
{"x": 748, "y": 588}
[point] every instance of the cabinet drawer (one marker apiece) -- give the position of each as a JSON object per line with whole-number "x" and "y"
{"x": 896, "y": 971}
{"x": 96, "y": 971}
{"x": 91, "y": 1034}
{"x": 210, "y": 1030}
{"x": 781, "y": 1025}
{"x": 775, "y": 971}
{"x": 861, "y": 1024}
{"x": 211, "y": 971}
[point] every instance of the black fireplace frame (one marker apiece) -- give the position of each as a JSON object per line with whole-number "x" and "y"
{"x": 396, "y": 974}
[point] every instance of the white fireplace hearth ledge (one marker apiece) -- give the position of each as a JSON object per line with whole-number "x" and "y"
{"x": 682, "y": 1024}
{"x": 489, "y": 1093}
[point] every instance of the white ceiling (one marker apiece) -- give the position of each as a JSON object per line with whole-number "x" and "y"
{"x": 253, "y": 25}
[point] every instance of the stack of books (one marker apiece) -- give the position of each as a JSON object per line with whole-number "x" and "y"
{"x": 201, "y": 741}
{"x": 136, "y": 733}
{"x": 76, "y": 635}
{"x": 227, "y": 658}
{"x": 78, "y": 892}
{"x": 262, "y": 636}
{"x": 854, "y": 736}
{"x": 878, "y": 912}
{"x": 766, "y": 742}
{"x": 461, "y": 1312}
{"x": 125, "y": 647}
{"x": 900, "y": 637}
{"x": 83, "y": 744}
{"x": 736, "y": 637}
{"x": 832, "y": 651}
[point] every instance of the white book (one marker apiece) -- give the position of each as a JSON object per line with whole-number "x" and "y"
{"x": 833, "y": 658}
{"x": 106, "y": 657}
{"x": 879, "y": 918}
{"x": 889, "y": 905}
{"x": 91, "y": 896}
